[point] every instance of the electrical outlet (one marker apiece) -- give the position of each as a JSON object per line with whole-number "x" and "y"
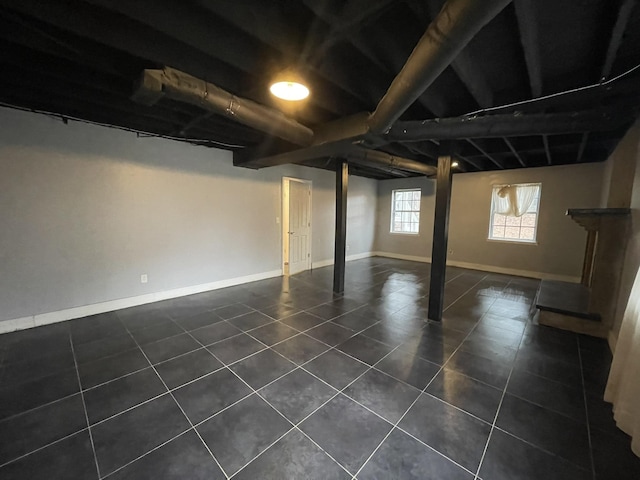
{"x": 144, "y": 278}
{"x": 277, "y": 220}
{"x": 347, "y": 247}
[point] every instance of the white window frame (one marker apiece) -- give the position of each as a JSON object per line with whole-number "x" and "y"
{"x": 411, "y": 210}
{"x": 534, "y": 208}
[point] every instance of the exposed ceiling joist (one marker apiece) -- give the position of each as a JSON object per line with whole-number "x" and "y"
{"x": 547, "y": 151}
{"x": 514, "y": 151}
{"x": 477, "y": 145}
{"x": 525, "y": 12}
{"x": 583, "y": 145}
{"x": 619, "y": 27}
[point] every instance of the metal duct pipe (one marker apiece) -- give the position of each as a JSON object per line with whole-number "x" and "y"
{"x": 180, "y": 86}
{"x": 494, "y": 126}
{"x": 446, "y": 36}
{"x": 391, "y": 163}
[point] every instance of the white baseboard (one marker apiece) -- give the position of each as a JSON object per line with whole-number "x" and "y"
{"x": 102, "y": 307}
{"x": 349, "y": 258}
{"x": 485, "y": 268}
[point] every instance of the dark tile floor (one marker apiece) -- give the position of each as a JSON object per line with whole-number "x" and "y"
{"x": 279, "y": 379}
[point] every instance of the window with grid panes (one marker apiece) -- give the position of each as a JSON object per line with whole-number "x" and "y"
{"x": 405, "y": 211}
{"x": 515, "y": 229}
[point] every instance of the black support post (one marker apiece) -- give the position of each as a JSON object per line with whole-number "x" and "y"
{"x": 440, "y": 238}
{"x": 342, "y": 184}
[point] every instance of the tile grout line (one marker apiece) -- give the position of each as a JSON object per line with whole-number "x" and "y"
{"x": 84, "y": 406}
{"x": 423, "y": 391}
{"x": 179, "y": 406}
{"x": 495, "y": 418}
{"x": 586, "y": 411}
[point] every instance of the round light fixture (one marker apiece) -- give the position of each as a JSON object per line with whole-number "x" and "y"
{"x": 289, "y": 90}
{"x": 454, "y": 164}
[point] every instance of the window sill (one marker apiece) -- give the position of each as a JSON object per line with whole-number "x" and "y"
{"x": 512, "y": 242}
{"x": 405, "y": 233}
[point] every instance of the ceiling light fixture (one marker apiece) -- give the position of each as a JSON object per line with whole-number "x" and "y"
{"x": 288, "y": 85}
{"x": 454, "y": 164}
{"x": 292, "y": 91}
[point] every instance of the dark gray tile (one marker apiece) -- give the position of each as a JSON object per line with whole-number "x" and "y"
{"x": 197, "y": 321}
{"x": 96, "y": 327}
{"x": 21, "y": 434}
{"x": 549, "y": 394}
{"x": 293, "y": 456}
{"x": 548, "y": 430}
{"x": 91, "y": 351}
{"x": 235, "y": 348}
{"x": 466, "y": 393}
{"x": 297, "y": 394}
{"x": 185, "y": 457}
{"x": 125, "y": 437}
{"x": 613, "y": 457}
{"x": 103, "y": 370}
{"x": 403, "y": 457}
{"x": 262, "y": 368}
{"x": 408, "y": 368}
{"x": 509, "y": 458}
{"x": 331, "y": 310}
{"x": 231, "y": 311}
{"x": 365, "y": 349}
{"x": 355, "y": 320}
{"x": 336, "y": 368}
{"x": 330, "y": 333}
{"x": 126, "y": 392}
{"x": 273, "y": 333}
{"x": 250, "y": 321}
{"x": 303, "y": 321}
{"x": 240, "y": 433}
{"x": 493, "y": 350}
{"x": 210, "y": 394}
{"x": 383, "y": 394}
{"x": 453, "y": 433}
{"x": 187, "y": 367}
{"x": 169, "y": 347}
{"x": 279, "y": 311}
{"x": 33, "y": 368}
{"x": 143, "y": 316}
{"x": 215, "y": 333}
{"x": 346, "y": 431}
{"x": 433, "y": 350}
{"x": 388, "y": 334}
{"x": 300, "y": 349}
{"x": 155, "y": 333}
{"x": 68, "y": 458}
{"x": 548, "y": 367}
{"x": 24, "y": 396}
{"x": 488, "y": 371}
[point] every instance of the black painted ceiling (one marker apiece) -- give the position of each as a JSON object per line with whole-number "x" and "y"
{"x": 81, "y": 58}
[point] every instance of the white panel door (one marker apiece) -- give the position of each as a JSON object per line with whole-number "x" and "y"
{"x": 299, "y": 226}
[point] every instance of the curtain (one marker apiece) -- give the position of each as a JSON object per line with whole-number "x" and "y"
{"x": 623, "y": 387}
{"x": 514, "y": 200}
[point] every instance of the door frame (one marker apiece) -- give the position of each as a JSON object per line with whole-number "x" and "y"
{"x": 285, "y": 221}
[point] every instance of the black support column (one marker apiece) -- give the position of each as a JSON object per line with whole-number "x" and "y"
{"x": 440, "y": 239}
{"x": 342, "y": 184}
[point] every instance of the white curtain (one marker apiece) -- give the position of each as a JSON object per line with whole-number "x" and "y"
{"x": 514, "y": 200}
{"x": 623, "y": 387}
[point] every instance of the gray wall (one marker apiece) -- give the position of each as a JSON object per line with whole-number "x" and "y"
{"x": 85, "y": 210}
{"x": 560, "y": 246}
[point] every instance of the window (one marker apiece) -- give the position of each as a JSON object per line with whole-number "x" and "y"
{"x": 405, "y": 211}
{"x": 514, "y": 212}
